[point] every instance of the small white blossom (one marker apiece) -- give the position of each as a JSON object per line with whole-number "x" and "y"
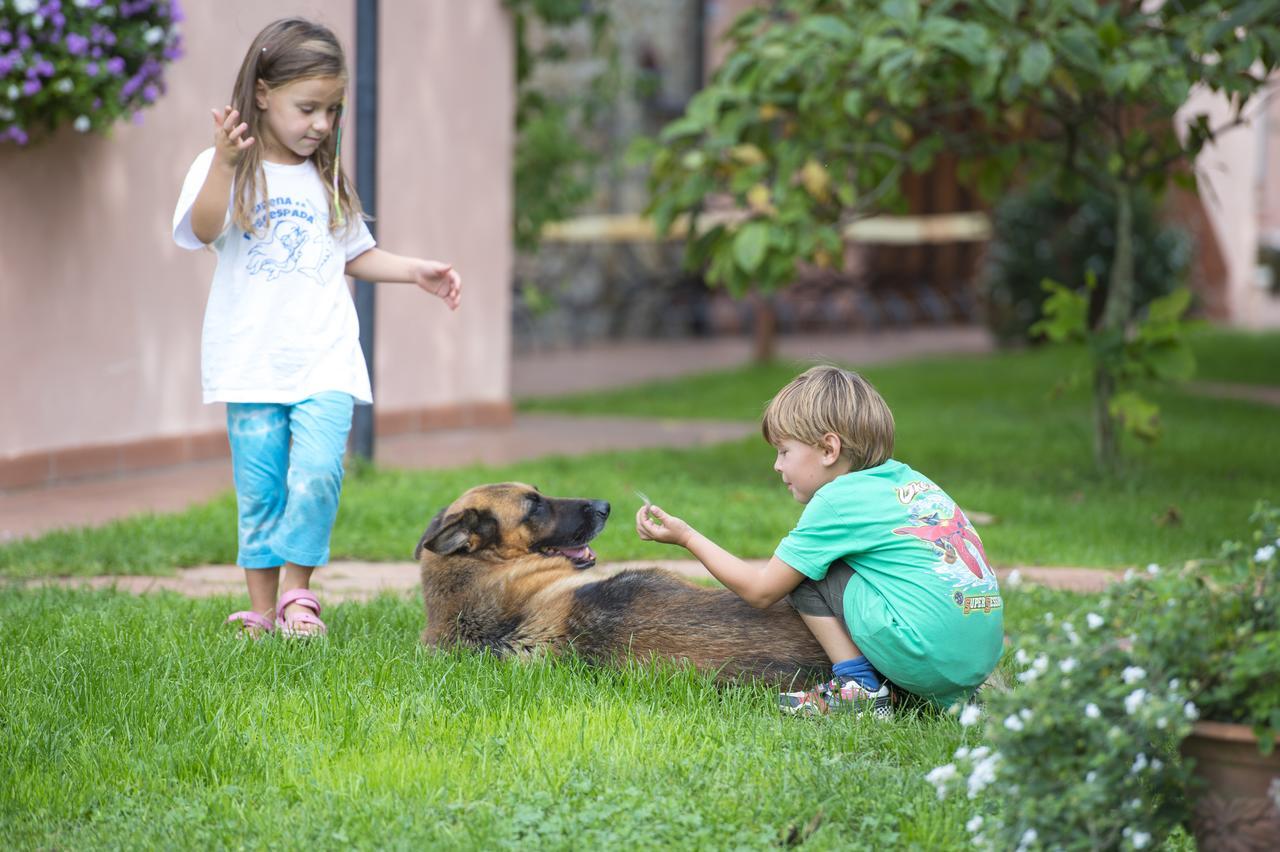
{"x": 1162, "y": 723}
{"x": 974, "y": 824}
{"x": 983, "y": 775}
{"x": 1022, "y": 657}
{"x": 1264, "y": 554}
{"x": 1139, "y": 763}
{"x": 1156, "y": 764}
{"x": 1091, "y": 710}
{"x": 1068, "y": 665}
{"x": 970, "y": 715}
{"x": 1028, "y": 837}
{"x": 1140, "y": 839}
{"x": 13, "y": 92}
{"x": 1091, "y": 776}
{"x": 1014, "y": 578}
{"x": 154, "y": 35}
{"x": 962, "y": 753}
{"x": 1094, "y": 620}
{"x": 1153, "y": 569}
{"x": 1133, "y": 674}
{"x": 1028, "y": 676}
{"x": 939, "y": 777}
{"x": 1025, "y": 713}
{"x": 980, "y": 753}
{"x": 1134, "y": 700}
{"x": 25, "y": 7}
{"x": 82, "y": 123}
{"x": 66, "y": 85}
{"x": 1048, "y": 618}
{"x": 1189, "y": 710}
{"x": 1013, "y": 723}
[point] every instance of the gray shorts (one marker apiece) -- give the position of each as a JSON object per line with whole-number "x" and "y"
{"x": 823, "y": 597}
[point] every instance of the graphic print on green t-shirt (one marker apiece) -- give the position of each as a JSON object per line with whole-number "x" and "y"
{"x": 937, "y": 520}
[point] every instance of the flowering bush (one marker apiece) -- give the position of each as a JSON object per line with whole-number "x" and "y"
{"x": 87, "y": 62}
{"x": 1083, "y": 751}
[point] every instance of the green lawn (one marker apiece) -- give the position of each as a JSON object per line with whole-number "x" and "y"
{"x": 132, "y": 722}
{"x": 128, "y": 722}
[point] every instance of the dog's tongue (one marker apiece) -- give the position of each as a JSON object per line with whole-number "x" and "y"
{"x": 577, "y": 554}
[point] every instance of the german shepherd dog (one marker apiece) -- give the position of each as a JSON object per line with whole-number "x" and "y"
{"x": 509, "y": 569}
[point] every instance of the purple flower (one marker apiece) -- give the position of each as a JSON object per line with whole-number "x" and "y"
{"x": 77, "y": 45}
{"x": 115, "y": 66}
{"x": 6, "y": 38}
{"x": 150, "y": 93}
{"x": 6, "y": 65}
{"x": 31, "y": 87}
{"x": 175, "y": 13}
{"x": 24, "y": 41}
{"x": 17, "y": 134}
{"x": 91, "y": 68}
{"x": 44, "y": 67}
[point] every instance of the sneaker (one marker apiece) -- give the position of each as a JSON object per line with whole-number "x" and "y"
{"x": 838, "y": 696}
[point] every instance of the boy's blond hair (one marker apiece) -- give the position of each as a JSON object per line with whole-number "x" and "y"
{"x": 826, "y": 399}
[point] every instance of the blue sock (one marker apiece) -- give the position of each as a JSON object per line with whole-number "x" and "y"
{"x": 860, "y": 670}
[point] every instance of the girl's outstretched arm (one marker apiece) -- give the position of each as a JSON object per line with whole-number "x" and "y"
{"x": 760, "y": 587}
{"x": 438, "y": 279}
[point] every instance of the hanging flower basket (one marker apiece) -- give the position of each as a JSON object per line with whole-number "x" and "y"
{"x": 87, "y": 63}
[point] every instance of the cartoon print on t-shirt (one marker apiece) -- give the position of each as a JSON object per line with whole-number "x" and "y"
{"x": 940, "y": 522}
{"x": 293, "y": 245}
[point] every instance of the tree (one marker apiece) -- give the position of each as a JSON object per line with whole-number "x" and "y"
{"x": 823, "y": 105}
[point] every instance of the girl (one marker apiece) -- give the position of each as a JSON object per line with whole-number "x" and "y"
{"x": 281, "y": 344}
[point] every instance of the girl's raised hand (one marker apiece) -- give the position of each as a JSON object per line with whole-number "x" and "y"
{"x": 439, "y": 279}
{"x": 228, "y": 130}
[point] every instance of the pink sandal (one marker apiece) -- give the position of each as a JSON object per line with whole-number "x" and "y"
{"x": 289, "y": 625}
{"x": 251, "y": 621}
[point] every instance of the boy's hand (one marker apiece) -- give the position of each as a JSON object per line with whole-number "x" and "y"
{"x": 439, "y": 279}
{"x": 653, "y": 524}
{"x": 228, "y": 145}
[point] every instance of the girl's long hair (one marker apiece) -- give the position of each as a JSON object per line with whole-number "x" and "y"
{"x": 284, "y": 52}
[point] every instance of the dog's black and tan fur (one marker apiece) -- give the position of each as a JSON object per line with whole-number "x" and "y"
{"x": 505, "y": 568}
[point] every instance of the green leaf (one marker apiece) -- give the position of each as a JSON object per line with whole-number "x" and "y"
{"x": 1138, "y": 416}
{"x": 1170, "y": 307}
{"x": 1008, "y": 9}
{"x": 853, "y": 103}
{"x": 749, "y": 245}
{"x": 1035, "y": 63}
{"x": 1065, "y": 314}
{"x": 1171, "y": 361}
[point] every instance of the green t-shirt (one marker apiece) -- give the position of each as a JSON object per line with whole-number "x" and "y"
{"x": 923, "y": 603}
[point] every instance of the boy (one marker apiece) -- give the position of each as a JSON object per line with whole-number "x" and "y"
{"x": 883, "y": 567}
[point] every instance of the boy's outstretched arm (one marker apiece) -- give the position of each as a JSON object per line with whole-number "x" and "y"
{"x": 759, "y": 587}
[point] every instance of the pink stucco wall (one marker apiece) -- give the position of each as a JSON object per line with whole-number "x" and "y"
{"x": 100, "y": 312}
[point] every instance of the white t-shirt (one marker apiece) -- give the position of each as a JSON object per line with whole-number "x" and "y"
{"x": 280, "y": 324}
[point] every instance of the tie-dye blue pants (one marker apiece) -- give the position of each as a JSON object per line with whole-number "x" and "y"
{"x": 287, "y": 462}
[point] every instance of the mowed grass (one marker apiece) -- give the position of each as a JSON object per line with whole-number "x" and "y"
{"x": 128, "y": 722}
{"x": 990, "y": 429}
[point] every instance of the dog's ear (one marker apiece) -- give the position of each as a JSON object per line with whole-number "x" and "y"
{"x": 467, "y": 532}
{"x": 429, "y": 532}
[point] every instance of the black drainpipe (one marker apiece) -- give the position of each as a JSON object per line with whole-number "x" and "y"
{"x": 367, "y": 186}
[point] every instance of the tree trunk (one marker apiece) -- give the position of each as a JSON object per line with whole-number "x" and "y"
{"x": 765, "y": 331}
{"x": 1111, "y": 326}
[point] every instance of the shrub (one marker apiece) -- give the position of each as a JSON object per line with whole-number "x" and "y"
{"x": 1038, "y": 235}
{"x": 87, "y": 62}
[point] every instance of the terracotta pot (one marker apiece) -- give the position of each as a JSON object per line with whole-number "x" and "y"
{"x": 1236, "y": 798}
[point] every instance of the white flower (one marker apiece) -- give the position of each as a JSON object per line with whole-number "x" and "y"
{"x": 983, "y": 775}
{"x": 6, "y": 114}
{"x": 1153, "y": 569}
{"x": 26, "y": 7}
{"x": 13, "y": 92}
{"x": 1022, "y": 657}
{"x": 970, "y": 715}
{"x": 1025, "y": 713}
{"x": 1129, "y": 574}
{"x": 1048, "y": 618}
{"x": 1133, "y": 674}
{"x": 65, "y": 85}
{"x": 1028, "y": 676}
{"x": 1091, "y": 710}
{"x": 1040, "y": 663}
{"x": 939, "y": 777}
{"x": 1068, "y": 665}
{"x": 1013, "y": 723}
{"x": 37, "y": 21}
{"x": 1264, "y": 554}
{"x": 974, "y": 824}
{"x": 1028, "y": 837}
{"x": 82, "y": 123}
{"x": 1156, "y": 764}
{"x": 1139, "y": 763}
{"x": 1014, "y": 578}
{"x": 154, "y": 35}
{"x": 980, "y": 753}
{"x": 1091, "y": 776}
{"x": 1189, "y": 710}
{"x": 1140, "y": 839}
{"x": 1134, "y": 700}
{"x": 962, "y": 753}
{"x": 1094, "y": 620}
